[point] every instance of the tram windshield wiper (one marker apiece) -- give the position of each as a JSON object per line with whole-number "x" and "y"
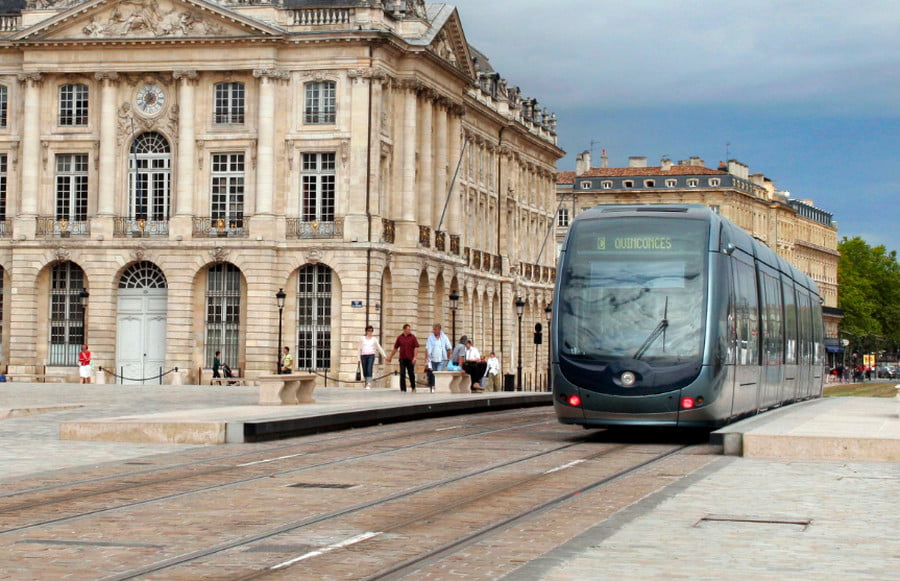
{"x": 654, "y": 335}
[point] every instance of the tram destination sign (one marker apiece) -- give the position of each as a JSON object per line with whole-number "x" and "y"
{"x": 646, "y": 242}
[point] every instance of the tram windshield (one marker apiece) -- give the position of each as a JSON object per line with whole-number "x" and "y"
{"x": 634, "y": 288}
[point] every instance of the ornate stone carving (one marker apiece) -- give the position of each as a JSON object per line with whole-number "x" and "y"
{"x": 137, "y": 18}
{"x": 218, "y": 254}
{"x": 187, "y": 75}
{"x": 106, "y": 76}
{"x": 33, "y": 78}
{"x": 313, "y": 256}
{"x": 274, "y": 74}
{"x": 42, "y": 4}
{"x": 138, "y": 254}
{"x": 60, "y": 254}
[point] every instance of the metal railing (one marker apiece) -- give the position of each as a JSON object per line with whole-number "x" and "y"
{"x": 139, "y": 228}
{"x": 232, "y": 227}
{"x": 50, "y": 226}
{"x": 298, "y": 228}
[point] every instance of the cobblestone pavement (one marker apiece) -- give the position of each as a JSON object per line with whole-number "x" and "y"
{"x": 746, "y": 519}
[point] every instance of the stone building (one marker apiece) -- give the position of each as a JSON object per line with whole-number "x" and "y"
{"x": 796, "y": 229}
{"x": 166, "y": 167}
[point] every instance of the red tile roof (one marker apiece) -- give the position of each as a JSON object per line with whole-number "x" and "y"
{"x": 565, "y": 177}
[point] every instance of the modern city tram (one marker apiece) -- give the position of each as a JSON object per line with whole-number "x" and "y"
{"x": 673, "y": 316}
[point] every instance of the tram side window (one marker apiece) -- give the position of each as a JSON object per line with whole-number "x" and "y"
{"x": 773, "y": 333}
{"x": 819, "y": 330}
{"x": 791, "y": 337}
{"x": 806, "y": 331}
{"x": 746, "y": 311}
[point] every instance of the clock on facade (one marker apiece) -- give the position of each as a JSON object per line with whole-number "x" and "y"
{"x": 150, "y": 99}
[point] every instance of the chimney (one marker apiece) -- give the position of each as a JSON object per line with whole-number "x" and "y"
{"x": 695, "y": 161}
{"x": 582, "y": 162}
{"x": 665, "y": 164}
{"x": 738, "y": 169}
{"x": 637, "y": 161}
{"x": 604, "y": 161}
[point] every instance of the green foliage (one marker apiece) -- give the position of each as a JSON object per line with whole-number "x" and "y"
{"x": 869, "y": 282}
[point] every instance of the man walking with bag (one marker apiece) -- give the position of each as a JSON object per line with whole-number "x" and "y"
{"x": 408, "y": 346}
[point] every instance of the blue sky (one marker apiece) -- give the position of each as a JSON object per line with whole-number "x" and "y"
{"x": 806, "y": 92}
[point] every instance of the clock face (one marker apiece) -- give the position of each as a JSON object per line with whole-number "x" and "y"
{"x": 150, "y": 99}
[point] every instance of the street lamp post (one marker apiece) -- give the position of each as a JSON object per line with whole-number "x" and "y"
{"x": 520, "y": 308}
{"x": 548, "y": 311}
{"x": 454, "y": 304}
{"x": 279, "y": 300}
{"x": 83, "y": 299}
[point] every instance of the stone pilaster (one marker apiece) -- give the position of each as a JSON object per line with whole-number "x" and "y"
{"x": 31, "y": 164}
{"x": 102, "y": 224}
{"x": 187, "y": 155}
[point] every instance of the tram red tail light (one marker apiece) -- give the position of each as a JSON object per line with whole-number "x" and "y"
{"x": 687, "y": 403}
{"x": 574, "y": 401}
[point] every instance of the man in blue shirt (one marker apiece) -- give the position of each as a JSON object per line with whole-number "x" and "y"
{"x": 438, "y": 348}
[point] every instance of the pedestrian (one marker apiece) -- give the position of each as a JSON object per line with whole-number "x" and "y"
{"x": 438, "y": 349}
{"x": 458, "y": 356}
{"x": 474, "y": 366}
{"x": 287, "y": 361}
{"x": 408, "y": 346}
{"x": 493, "y": 373}
{"x": 368, "y": 347}
{"x": 217, "y": 364}
{"x": 84, "y": 365}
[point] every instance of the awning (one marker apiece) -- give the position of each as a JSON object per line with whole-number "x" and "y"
{"x": 834, "y": 349}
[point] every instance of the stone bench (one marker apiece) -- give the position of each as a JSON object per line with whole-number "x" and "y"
{"x": 286, "y": 389}
{"x": 227, "y": 381}
{"x": 451, "y": 382}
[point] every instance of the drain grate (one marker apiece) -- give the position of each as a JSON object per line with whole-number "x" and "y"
{"x": 320, "y": 485}
{"x": 800, "y": 524}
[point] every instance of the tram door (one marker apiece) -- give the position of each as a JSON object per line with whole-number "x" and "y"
{"x": 141, "y": 324}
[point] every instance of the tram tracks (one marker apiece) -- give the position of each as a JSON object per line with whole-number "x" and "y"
{"x": 261, "y": 470}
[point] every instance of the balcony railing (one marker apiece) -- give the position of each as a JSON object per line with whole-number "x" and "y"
{"x": 440, "y": 240}
{"x": 5, "y": 228}
{"x": 139, "y": 228}
{"x": 50, "y": 226}
{"x": 232, "y": 227}
{"x": 297, "y": 228}
{"x": 322, "y": 16}
{"x": 454, "y": 244}
{"x": 425, "y": 236}
{"x": 10, "y": 22}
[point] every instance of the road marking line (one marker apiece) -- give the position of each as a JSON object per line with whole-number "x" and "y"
{"x": 450, "y": 428}
{"x": 564, "y": 466}
{"x": 270, "y": 460}
{"x": 328, "y": 549}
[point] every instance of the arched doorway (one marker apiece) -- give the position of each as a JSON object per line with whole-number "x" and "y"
{"x": 141, "y": 322}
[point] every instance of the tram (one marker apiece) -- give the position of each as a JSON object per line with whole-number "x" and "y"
{"x": 673, "y": 316}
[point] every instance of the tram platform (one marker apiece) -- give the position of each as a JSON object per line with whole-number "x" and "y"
{"x": 833, "y": 428}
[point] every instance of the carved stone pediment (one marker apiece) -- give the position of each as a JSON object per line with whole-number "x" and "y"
{"x": 142, "y": 19}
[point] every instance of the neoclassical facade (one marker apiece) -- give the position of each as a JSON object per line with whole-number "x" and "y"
{"x": 166, "y": 168}
{"x": 797, "y": 230}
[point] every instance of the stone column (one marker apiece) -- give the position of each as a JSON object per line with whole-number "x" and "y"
{"x": 425, "y": 194}
{"x": 30, "y": 163}
{"x": 407, "y": 233}
{"x": 440, "y": 166}
{"x": 451, "y": 222}
{"x": 355, "y": 225}
{"x": 263, "y": 220}
{"x": 187, "y": 154}
{"x": 106, "y": 187}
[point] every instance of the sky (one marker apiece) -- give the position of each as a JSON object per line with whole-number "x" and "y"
{"x": 806, "y": 92}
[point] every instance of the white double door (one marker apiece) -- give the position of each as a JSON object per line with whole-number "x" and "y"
{"x": 141, "y": 334}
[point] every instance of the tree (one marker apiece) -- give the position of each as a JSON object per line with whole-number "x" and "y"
{"x": 869, "y": 282}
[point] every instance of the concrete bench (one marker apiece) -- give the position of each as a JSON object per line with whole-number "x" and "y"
{"x": 227, "y": 381}
{"x": 286, "y": 389}
{"x": 451, "y": 382}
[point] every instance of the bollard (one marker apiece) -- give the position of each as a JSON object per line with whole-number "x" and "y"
{"x": 100, "y": 376}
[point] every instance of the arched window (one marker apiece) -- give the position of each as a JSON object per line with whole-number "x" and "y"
{"x": 314, "y": 317}
{"x": 149, "y": 177}
{"x": 143, "y": 274}
{"x": 223, "y": 313}
{"x": 66, "y": 313}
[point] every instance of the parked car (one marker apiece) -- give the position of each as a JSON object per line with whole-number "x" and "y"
{"x": 886, "y": 371}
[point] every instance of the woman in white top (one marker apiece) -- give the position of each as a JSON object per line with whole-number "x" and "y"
{"x": 368, "y": 347}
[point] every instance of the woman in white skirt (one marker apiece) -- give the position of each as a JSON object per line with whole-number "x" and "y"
{"x": 84, "y": 364}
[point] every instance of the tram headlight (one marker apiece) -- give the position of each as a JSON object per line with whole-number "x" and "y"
{"x": 628, "y": 378}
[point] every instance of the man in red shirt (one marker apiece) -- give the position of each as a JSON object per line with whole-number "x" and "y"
{"x": 408, "y": 346}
